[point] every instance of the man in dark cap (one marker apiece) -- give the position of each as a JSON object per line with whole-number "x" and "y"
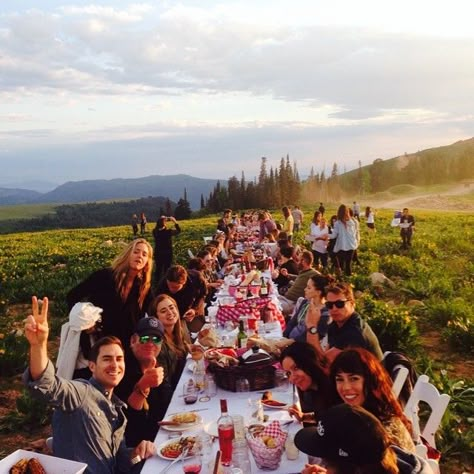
{"x": 350, "y": 439}
{"x": 145, "y": 387}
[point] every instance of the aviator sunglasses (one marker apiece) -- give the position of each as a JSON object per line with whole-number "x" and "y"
{"x": 338, "y": 304}
{"x": 145, "y": 339}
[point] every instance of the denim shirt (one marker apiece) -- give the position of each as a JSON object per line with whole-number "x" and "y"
{"x": 88, "y": 427}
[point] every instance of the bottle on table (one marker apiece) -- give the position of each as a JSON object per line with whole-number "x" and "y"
{"x": 241, "y": 335}
{"x": 264, "y": 288}
{"x": 225, "y": 429}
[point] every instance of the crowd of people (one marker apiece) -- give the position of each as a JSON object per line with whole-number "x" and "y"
{"x": 109, "y": 418}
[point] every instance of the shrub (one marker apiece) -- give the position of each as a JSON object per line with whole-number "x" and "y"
{"x": 13, "y": 353}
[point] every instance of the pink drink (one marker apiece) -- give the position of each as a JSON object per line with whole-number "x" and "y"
{"x": 192, "y": 468}
{"x": 226, "y": 435}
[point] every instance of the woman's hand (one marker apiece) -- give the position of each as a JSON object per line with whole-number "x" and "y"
{"x": 312, "y": 469}
{"x": 313, "y": 315}
{"x": 189, "y": 314}
{"x": 296, "y": 413}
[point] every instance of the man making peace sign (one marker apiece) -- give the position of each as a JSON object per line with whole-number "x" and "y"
{"x": 88, "y": 420}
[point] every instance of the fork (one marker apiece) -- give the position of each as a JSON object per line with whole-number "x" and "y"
{"x": 181, "y": 456}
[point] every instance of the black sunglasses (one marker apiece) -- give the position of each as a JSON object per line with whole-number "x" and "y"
{"x": 338, "y": 304}
{"x": 155, "y": 339}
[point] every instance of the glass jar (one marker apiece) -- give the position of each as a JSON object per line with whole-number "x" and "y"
{"x": 240, "y": 456}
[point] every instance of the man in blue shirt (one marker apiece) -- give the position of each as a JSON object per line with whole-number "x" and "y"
{"x": 88, "y": 421}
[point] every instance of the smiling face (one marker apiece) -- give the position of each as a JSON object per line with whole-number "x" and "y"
{"x": 167, "y": 313}
{"x": 139, "y": 257}
{"x": 350, "y": 388}
{"x": 144, "y": 351}
{"x": 109, "y": 368}
{"x": 296, "y": 375}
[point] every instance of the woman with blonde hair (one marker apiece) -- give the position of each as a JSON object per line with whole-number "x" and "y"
{"x": 123, "y": 291}
{"x": 176, "y": 342}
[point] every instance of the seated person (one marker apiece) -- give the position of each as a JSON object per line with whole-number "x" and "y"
{"x": 176, "y": 341}
{"x": 88, "y": 419}
{"x": 296, "y": 290}
{"x": 188, "y": 288}
{"x": 285, "y": 261}
{"x": 145, "y": 387}
{"x": 314, "y": 294}
{"x": 349, "y": 439}
{"x": 347, "y": 328}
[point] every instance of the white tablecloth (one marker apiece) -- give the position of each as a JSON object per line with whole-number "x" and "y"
{"x": 238, "y": 404}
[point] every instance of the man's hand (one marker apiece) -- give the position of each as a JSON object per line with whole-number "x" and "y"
{"x": 36, "y": 324}
{"x": 152, "y": 377}
{"x": 144, "y": 450}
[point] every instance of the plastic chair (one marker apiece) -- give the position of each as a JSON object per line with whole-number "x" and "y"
{"x": 426, "y": 392}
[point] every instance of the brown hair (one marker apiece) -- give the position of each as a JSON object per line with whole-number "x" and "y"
{"x": 177, "y": 274}
{"x": 120, "y": 268}
{"x": 180, "y": 338}
{"x": 343, "y": 289}
{"x": 103, "y": 341}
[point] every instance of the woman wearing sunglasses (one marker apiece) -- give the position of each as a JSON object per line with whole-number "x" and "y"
{"x": 347, "y": 328}
{"x": 176, "y": 340}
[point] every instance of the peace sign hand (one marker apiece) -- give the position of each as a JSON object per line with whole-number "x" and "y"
{"x": 36, "y": 324}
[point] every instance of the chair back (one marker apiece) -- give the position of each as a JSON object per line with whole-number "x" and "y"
{"x": 400, "y": 378}
{"x": 426, "y": 392}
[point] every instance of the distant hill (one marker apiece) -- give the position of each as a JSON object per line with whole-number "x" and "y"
{"x": 171, "y": 187}
{"x": 18, "y": 196}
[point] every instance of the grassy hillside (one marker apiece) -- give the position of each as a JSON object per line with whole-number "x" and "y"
{"x": 25, "y": 211}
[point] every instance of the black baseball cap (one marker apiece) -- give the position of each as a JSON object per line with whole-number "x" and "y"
{"x": 150, "y": 327}
{"x": 345, "y": 433}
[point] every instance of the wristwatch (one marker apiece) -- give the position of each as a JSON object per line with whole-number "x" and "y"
{"x": 313, "y": 330}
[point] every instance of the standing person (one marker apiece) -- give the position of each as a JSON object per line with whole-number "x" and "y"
{"x": 145, "y": 387}
{"x": 407, "y": 226}
{"x": 298, "y": 217}
{"x": 345, "y": 230}
{"x": 135, "y": 225}
{"x": 164, "y": 245}
{"x": 142, "y": 223}
{"x": 88, "y": 419}
{"x": 319, "y": 236}
{"x": 288, "y": 223}
{"x": 356, "y": 210}
{"x": 224, "y": 221}
{"x": 266, "y": 224}
{"x": 123, "y": 291}
{"x": 321, "y": 208}
{"x": 370, "y": 216}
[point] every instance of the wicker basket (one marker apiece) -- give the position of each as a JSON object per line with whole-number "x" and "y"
{"x": 260, "y": 377}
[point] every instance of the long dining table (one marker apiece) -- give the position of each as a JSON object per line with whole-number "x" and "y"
{"x": 208, "y": 408}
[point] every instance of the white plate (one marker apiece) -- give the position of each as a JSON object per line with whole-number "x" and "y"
{"x": 182, "y": 426}
{"x": 211, "y": 429}
{"x": 163, "y": 445}
{"x": 272, "y": 407}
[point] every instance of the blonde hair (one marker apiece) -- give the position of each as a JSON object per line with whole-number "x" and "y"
{"x": 121, "y": 266}
{"x": 180, "y": 339}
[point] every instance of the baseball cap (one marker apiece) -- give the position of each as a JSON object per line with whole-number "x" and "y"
{"x": 345, "y": 433}
{"x": 150, "y": 326}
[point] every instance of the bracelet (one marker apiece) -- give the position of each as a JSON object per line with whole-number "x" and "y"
{"x": 138, "y": 390}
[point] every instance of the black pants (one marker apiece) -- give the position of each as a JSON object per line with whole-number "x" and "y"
{"x": 406, "y": 235}
{"x": 320, "y": 257}
{"x": 344, "y": 258}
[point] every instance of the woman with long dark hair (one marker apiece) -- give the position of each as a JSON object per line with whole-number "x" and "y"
{"x": 300, "y": 360}
{"x": 359, "y": 379}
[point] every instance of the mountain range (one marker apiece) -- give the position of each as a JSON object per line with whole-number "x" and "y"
{"x": 171, "y": 187}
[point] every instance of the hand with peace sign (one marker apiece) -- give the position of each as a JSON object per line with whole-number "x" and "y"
{"x": 36, "y": 331}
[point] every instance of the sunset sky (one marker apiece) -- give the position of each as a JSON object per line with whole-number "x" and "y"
{"x": 120, "y": 89}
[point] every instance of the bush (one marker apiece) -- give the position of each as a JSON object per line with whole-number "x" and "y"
{"x": 13, "y": 353}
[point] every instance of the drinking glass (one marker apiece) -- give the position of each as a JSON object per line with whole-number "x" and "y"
{"x": 192, "y": 464}
{"x": 190, "y": 393}
{"x": 210, "y": 386}
{"x": 242, "y": 385}
{"x": 256, "y": 411}
{"x": 281, "y": 381}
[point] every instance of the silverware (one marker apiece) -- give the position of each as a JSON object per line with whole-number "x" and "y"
{"x": 294, "y": 395}
{"x": 178, "y": 412}
{"x": 181, "y": 456}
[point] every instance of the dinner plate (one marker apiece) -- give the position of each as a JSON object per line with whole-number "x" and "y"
{"x": 181, "y": 426}
{"x": 166, "y": 444}
{"x": 283, "y": 406}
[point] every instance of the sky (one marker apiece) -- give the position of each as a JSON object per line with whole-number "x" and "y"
{"x": 115, "y": 89}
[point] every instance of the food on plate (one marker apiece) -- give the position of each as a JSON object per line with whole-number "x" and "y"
{"x": 174, "y": 449}
{"x": 27, "y": 466}
{"x": 267, "y": 395}
{"x": 186, "y": 417}
{"x": 273, "y": 403}
{"x": 223, "y": 357}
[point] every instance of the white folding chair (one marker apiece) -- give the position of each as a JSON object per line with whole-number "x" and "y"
{"x": 402, "y": 374}
{"x": 426, "y": 392}
{"x": 207, "y": 240}
{"x": 190, "y": 253}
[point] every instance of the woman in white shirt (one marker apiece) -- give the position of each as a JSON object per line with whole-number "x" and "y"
{"x": 370, "y": 216}
{"x": 319, "y": 235}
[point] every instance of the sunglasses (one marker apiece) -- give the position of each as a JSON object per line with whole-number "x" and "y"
{"x": 155, "y": 339}
{"x": 338, "y": 304}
